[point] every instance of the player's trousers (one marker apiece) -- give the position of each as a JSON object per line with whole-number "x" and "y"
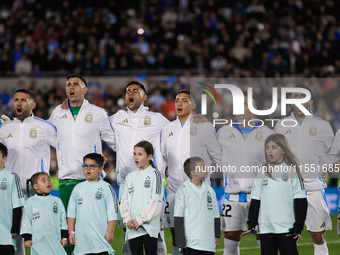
{"x": 65, "y": 189}
{"x": 272, "y": 243}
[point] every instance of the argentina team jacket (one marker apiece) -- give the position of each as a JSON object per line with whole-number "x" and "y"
{"x": 131, "y": 128}
{"x": 28, "y": 145}
{"x": 76, "y": 138}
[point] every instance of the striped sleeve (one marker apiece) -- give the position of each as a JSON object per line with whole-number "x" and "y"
{"x": 115, "y": 201}
{"x": 158, "y": 182}
{"x": 18, "y": 197}
{"x": 111, "y": 203}
{"x": 158, "y": 192}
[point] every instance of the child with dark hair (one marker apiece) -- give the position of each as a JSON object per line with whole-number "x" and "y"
{"x": 92, "y": 210}
{"x": 197, "y": 218}
{"x": 142, "y": 202}
{"x": 44, "y": 227}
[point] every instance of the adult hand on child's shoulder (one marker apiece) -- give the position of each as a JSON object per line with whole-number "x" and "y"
{"x": 109, "y": 236}
{"x": 28, "y": 244}
{"x": 63, "y": 242}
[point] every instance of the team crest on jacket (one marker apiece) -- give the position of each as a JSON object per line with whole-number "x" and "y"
{"x": 147, "y": 120}
{"x": 147, "y": 182}
{"x": 33, "y": 133}
{"x": 3, "y": 185}
{"x": 55, "y": 207}
{"x": 209, "y": 200}
{"x": 312, "y": 130}
{"x": 259, "y": 135}
{"x": 88, "y": 117}
{"x": 99, "y": 194}
{"x": 193, "y": 131}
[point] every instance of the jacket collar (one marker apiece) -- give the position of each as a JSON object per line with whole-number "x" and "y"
{"x": 292, "y": 115}
{"x": 189, "y": 119}
{"x": 28, "y": 119}
{"x": 141, "y": 110}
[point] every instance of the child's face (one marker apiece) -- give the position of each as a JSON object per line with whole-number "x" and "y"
{"x": 200, "y": 171}
{"x": 142, "y": 160}
{"x": 92, "y": 175}
{"x": 43, "y": 185}
{"x": 2, "y": 161}
{"x": 274, "y": 153}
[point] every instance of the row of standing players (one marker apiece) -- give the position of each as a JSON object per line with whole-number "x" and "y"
{"x": 79, "y": 128}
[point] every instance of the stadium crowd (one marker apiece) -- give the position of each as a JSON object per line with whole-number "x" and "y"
{"x": 215, "y": 38}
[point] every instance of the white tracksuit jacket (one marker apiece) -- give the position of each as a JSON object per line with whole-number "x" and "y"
{"x": 76, "y": 138}
{"x": 239, "y": 153}
{"x": 180, "y": 143}
{"x": 131, "y": 128}
{"x": 310, "y": 144}
{"x": 28, "y": 145}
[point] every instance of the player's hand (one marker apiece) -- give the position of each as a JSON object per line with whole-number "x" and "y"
{"x": 4, "y": 120}
{"x": 63, "y": 242}
{"x": 217, "y": 241}
{"x": 130, "y": 224}
{"x": 14, "y": 235}
{"x": 248, "y": 232}
{"x": 109, "y": 236}
{"x": 28, "y": 244}
{"x": 105, "y": 160}
{"x": 136, "y": 225}
{"x": 64, "y": 106}
{"x": 297, "y": 237}
{"x": 72, "y": 239}
{"x": 199, "y": 119}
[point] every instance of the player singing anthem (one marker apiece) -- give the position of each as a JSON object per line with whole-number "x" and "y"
{"x": 131, "y": 126}
{"x": 182, "y": 139}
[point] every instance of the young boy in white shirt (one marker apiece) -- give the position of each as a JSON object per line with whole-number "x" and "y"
{"x": 197, "y": 218}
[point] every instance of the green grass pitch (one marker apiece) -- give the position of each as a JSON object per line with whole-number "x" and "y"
{"x": 248, "y": 244}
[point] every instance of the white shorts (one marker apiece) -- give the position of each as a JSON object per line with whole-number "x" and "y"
{"x": 234, "y": 215}
{"x": 168, "y": 216}
{"x": 318, "y": 218}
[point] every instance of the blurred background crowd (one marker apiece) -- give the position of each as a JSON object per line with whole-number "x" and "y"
{"x": 250, "y": 38}
{"x": 176, "y": 40}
